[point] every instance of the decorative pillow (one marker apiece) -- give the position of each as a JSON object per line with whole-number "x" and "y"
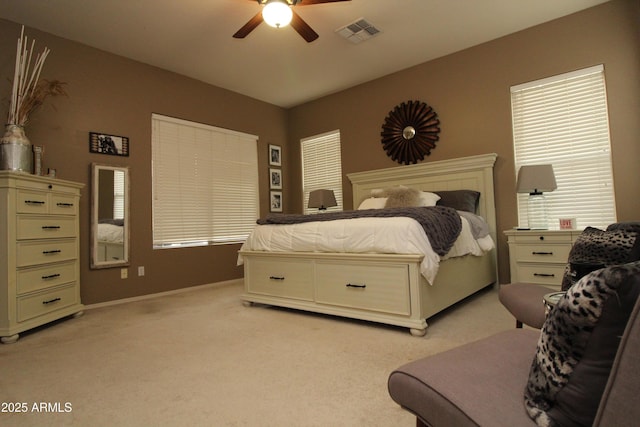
{"x": 428, "y": 199}
{"x": 373, "y": 203}
{"x": 626, "y": 226}
{"x": 461, "y": 200}
{"x": 577, "y": 347}
{"x": 402, "y": 197}
{"x": 601, "y": 248}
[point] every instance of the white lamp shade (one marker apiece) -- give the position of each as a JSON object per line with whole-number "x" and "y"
{"x": 535, "y": 179}
{"x": 277, "y": 14}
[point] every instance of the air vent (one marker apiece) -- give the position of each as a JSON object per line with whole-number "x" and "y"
{"x": 358, "y": 31}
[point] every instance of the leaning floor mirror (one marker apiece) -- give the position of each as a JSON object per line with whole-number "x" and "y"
{"x": 109, "y": 216}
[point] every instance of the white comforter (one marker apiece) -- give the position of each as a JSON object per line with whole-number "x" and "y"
{"x": 110, "y": 233}
{"x": 398, "y": 235}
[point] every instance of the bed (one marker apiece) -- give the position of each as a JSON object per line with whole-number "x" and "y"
{"x": 110, "y": 237}
{"x": 390, "y": 288}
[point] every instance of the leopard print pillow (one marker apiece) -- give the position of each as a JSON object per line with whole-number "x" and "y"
{"x": 566, "y": 333}
{"x": 601, "y": 249}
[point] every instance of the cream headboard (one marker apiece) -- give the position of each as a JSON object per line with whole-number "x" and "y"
{"x": 465, "y": 173}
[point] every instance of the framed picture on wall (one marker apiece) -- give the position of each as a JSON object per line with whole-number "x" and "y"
{"x": 108, "y": 144}
{"x": 275, "y": 179}
{"x": 275, "y": 202}
{"x": 275, "y": 155}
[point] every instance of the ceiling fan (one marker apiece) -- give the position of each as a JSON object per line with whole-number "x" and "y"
{"x": 284, "y": 6}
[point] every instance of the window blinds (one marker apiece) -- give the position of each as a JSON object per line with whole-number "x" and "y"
{"x": 563, "y": 120}
{"x": 322, "y": 167}
{"x": 118, "y": 194}
{"x": 205, "y": 183}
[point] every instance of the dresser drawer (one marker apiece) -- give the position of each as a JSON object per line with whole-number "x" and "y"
{"x": 43, "y": 227}
{"x": 32, "y": 202}
{"x": 369, "y": 287}
{"x": 284, "y": 278}
{"x": 34, "y": 305}
{"x": 42, "y": 252}
{"x": 543, "y": 274}
{"x": 542, "y": 253}
{"x": 37, "y": 278}
{"x": 62, "y": 204}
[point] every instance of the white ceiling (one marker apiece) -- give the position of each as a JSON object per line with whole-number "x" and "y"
{"x": 194, "y": 37}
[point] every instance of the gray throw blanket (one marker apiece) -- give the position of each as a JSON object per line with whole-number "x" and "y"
{"x": 441, "y": 224}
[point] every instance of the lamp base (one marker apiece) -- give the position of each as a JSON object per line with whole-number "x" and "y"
{"x": 537, "y": 212}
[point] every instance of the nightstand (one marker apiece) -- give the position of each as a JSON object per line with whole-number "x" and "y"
{"x": 539, "y": 256}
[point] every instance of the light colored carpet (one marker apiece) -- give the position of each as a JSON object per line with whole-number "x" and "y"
{"x": 200, "y": 358}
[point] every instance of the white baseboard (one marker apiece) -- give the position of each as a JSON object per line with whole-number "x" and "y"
{"x": 162, "y": 294}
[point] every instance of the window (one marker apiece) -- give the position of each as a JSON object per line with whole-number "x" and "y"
{"x": 322, "y": 167}
{"x": 205, "y": 184}
{"x": 118, "y": 194}
{"x": 563, "y": 120}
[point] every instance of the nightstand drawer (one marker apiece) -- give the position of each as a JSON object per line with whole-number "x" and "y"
{"x": 542, "y": 237}
{"x": 369, "y": 287}
{"x": 34, "y": 305}
{"x": 542, "y": 253}
{"x": 543, "y": 274}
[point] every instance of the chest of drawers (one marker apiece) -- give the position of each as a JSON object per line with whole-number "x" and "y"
{"x": 39, "y": 252}
{"x": 539, "y": 256}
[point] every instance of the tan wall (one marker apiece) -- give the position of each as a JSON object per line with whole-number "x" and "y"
{"x": 470, "y": 92}
{"x": 111, "y": 94}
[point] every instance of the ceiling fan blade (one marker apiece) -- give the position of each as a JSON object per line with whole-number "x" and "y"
{"x": 249, "y": 26}
{"x": 303, "y": 28}
{"x": 310, "y": 2}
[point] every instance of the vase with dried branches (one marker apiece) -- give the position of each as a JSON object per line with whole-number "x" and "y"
{"x": 28, "y": 94}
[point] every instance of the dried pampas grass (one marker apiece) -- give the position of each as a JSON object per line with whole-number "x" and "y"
{"x": 28, "y": 92}
{"x": 40, "y": 92}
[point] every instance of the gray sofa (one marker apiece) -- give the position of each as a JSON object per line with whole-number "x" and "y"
{"x": 484, "y": 383}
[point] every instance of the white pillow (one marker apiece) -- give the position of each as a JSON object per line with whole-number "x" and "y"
{"x": 373, "y": 203}
{"x": 428, "y": 199}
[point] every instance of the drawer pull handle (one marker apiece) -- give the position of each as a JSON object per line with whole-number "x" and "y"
{"x": 54, "y": 251}
{"x": 51, "y": 301}
{"x": 51, "y": 276}
{"x": 544, "y": 275}
{"x": 65, "y": 205}
{"x": 276, "y": 277}
{"x": 349, "y": 285}
{"x": 34, "y": 202}
{"x": 51, "y": 227}
{"x": 541, "y": 253}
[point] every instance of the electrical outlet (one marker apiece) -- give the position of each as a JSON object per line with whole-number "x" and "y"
{"x": 141, "y": 270}
{"x": 124, "y": 273}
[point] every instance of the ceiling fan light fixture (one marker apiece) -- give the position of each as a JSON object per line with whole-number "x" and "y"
{"x": 277, "y": 14}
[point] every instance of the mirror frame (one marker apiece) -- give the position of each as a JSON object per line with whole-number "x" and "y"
{"x": 96, "y": 263}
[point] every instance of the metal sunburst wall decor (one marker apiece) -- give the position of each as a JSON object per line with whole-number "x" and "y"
{"x": 410, "y": 132}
